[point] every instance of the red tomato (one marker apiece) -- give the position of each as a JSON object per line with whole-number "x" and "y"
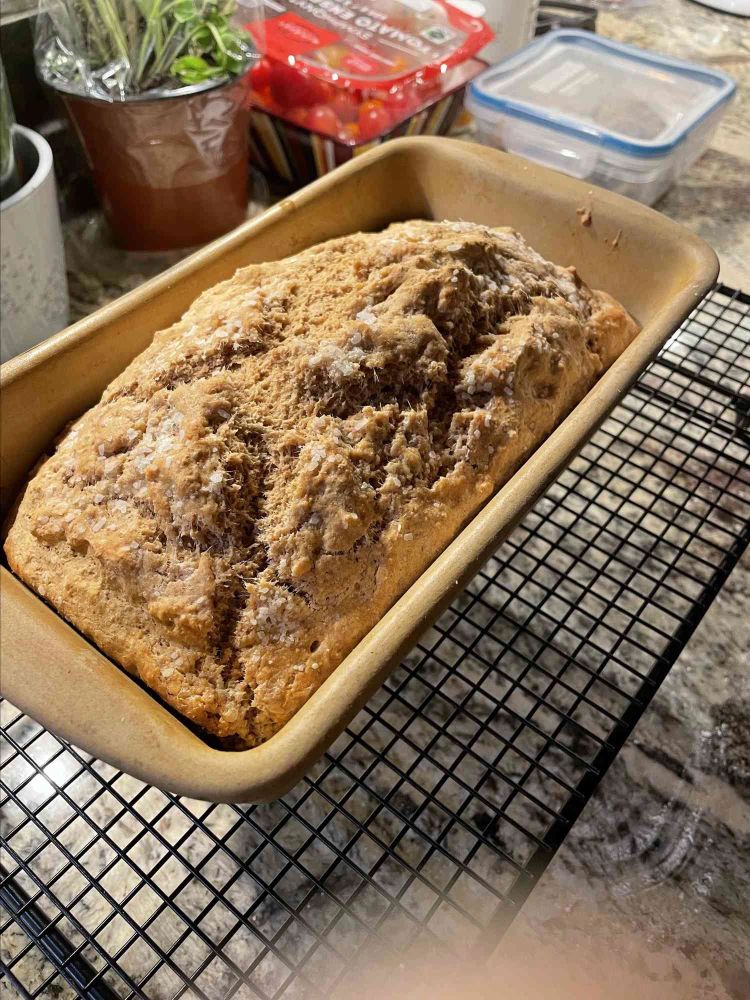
{"x": 323, "y": 119}
{"x": 345, "y": 106}
{"x": 372, "y": 103}
{"x": 292, "y": 88}
{"x": 320, "y": 92}
{"x": 260, "y": 75}
{"x": 332, "y": 55}
{"x": 400, "y": 104}
{"x": 328, "y": 91}
{"x": 300, "y": 116}
{"x": 373, "y": 120}
{"x": 348, "y": 133}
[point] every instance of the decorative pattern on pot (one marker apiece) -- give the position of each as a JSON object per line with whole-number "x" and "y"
{"x": 33, "y": 288}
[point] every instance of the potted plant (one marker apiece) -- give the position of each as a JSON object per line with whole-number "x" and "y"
{"x": 33, "y": 289}
{"x": 156, "y": 91}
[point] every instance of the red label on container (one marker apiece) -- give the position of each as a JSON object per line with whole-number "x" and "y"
{"x": 289, "y": 35}
{"x": 355, "y": 41}
{"x": 360, "y": 64}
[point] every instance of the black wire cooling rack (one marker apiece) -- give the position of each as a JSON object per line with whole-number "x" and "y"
{"x": 433, "y": 816}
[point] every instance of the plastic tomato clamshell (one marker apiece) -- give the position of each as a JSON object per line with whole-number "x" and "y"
{"x": 354, "y": 71}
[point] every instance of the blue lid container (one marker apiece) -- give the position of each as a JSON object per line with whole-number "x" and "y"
{"x": 606, "y": 112}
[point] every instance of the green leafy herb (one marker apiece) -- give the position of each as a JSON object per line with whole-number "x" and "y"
{"x": 192, "y": 69}
{"x": 143, "y": 44}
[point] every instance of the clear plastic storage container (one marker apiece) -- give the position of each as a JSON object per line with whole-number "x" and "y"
{"x": 609, "y": 113}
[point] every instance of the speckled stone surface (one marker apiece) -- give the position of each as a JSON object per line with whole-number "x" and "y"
{"x": 657, "y": 868}
{"x": 713, "y": 197}
{"x": 658, "y": 865}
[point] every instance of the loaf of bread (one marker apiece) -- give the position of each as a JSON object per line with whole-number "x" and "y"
{"x": 257, "y": 488}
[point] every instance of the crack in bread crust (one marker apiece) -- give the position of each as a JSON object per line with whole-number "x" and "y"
{"x": 255, "y": 490}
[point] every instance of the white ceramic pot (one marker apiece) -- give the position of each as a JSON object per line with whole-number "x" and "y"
{"x": 513, "y": 22}
{"x": 33, "y": 288}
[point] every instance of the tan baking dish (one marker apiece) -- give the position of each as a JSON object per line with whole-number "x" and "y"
{"x": 656, "y": 268}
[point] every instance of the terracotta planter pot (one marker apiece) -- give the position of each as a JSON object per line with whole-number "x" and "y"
{"x": 172, "y": 170}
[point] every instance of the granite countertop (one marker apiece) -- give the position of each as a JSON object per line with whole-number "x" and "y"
{"x": 651, "y": 887}
{"x": 713, "y": 197}
{"x": 649, "y": 893}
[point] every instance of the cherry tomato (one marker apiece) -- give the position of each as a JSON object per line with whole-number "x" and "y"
{"x": 372, "y": 103}
{"x": 328, "y": 91}
{"x": 400, "y": 104}
{"x": 300, "y": 116}
{"x": 323, "y": 119}
{"x": 345, "y": 106}
{"x": 332, "y": 55}
{"x": 348, "y": 133}
{"x": 373, "y": 120}
{"x": 320, "y": 92}
{"x": 292, "y": 88}
{"x": 260, "y": 75}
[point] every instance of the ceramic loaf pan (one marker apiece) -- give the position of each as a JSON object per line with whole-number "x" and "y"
{"x": 653, "y": 266}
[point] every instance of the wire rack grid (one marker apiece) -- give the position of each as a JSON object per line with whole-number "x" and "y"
{"x": 432, "y": 817}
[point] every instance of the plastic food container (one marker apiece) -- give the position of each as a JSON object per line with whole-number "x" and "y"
{"x": 607, "y": 113}
{"x": 339, "y": 77}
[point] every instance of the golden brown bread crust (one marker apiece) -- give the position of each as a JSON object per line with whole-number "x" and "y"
{"x": 257, "y": 488}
